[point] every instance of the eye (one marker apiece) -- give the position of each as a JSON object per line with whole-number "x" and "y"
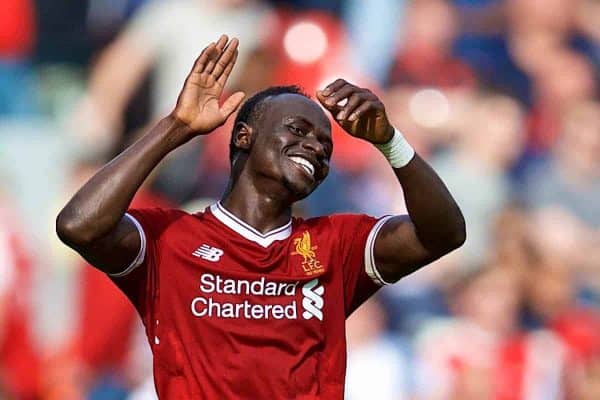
{"x": 295, "y": 130}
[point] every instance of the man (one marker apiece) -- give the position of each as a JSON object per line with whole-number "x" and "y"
{"x": 242, "y": 301}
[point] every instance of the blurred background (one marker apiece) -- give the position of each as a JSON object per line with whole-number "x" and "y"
{"x": 501, "y": 97}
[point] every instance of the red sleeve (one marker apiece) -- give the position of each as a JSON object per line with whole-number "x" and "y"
{"x": 139, "y": 281}
{"x": 357, "y": 235}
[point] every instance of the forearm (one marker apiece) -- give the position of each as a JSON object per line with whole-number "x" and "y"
{"x": 436, "y": 225}
{"x": 100, "y": 204}
{"x": 438, "y": 221}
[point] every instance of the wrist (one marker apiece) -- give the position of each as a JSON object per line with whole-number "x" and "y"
{"x": 389, "y": 135}
{"x": 397, "y": 150}
{"x": 177, "y": 124}
{"x": 173, "y": 132}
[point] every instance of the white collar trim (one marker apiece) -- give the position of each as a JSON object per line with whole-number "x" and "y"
{"x": 247, "y": 231}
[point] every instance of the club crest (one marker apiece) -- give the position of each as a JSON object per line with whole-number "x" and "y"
{"x": 304, "y": 248}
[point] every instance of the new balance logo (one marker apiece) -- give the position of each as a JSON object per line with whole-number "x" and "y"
{"x": 209, "y": 253}
{"x": 313, "y": 300}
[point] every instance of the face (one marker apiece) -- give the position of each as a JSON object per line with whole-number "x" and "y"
{"x": 432, "y": 23}
{"x": 497, "y": 313}
{"x": 292, "y": 144}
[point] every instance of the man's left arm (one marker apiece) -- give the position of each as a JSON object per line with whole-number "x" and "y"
{"x": 435, "y": 225}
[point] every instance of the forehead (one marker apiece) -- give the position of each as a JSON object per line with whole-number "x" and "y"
{"x": 295, "y": 105}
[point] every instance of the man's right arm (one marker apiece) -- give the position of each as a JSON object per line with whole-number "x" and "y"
{"x": 94, "y": 222}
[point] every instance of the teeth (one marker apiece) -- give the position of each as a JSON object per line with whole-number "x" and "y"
{"x": 307, "y": 165}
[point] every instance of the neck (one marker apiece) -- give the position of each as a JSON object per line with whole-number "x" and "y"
{"x": 258, "y": 203}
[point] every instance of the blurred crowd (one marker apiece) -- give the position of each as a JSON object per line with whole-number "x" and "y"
{"x": 500, "y": 96}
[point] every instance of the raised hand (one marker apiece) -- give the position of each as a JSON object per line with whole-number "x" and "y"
{"x": 198, "y": 103}
{"x": 363, "y": 115}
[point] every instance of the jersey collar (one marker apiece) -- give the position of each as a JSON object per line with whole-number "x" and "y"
{"x": 247, "y": 231}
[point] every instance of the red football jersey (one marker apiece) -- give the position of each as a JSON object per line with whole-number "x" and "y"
{"x": 231, "y": 313}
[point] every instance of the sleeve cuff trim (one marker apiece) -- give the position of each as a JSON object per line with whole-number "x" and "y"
{"x": 139, "y": 259}
{"x": 370, "y": 267}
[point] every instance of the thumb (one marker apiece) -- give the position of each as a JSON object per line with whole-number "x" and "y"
{"x": 231, "y": 104}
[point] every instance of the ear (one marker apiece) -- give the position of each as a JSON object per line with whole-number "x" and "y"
{"x": 243, "y": 136}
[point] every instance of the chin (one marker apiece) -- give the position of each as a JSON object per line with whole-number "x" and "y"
{"x": 298, "y": 189}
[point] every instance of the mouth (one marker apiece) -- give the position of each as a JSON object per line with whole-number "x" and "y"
{"x": 304, "y": 165}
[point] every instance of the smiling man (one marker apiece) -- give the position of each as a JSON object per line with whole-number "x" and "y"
{"x": 242, "y": 300}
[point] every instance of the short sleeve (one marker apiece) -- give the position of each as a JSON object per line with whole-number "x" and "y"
{"x": 139, "y": 280}
{"x": 357, "y": 235}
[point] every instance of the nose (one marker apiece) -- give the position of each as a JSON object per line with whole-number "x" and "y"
{"x": 314, "y": 145}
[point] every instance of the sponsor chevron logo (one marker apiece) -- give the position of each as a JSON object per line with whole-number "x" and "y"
{"x": 313, "y": 300}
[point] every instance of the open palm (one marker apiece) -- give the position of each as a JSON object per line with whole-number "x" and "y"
{"x": 198, "y": 103}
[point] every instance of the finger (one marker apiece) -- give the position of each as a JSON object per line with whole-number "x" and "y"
{"x": 232, "y": 104}
{"x": 225, "y": 75}
{"x": 355, "y": 100}
{"x": 332, "y": 87}
{"x": 339, "y": 95}
{"x": 363, "y": 108}
{"x": 221, "y": 43}
{"x": 203, "y": 58}
{"x": 333, "y": 110}
{"x": 225, "y": 58}
{"x": 322, "y": 99}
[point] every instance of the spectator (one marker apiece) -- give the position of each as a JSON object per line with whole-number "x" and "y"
{"x": 565, "y": 79}
{"x": 19, "y": 356}
{"x": 587, "y": 13}
{"x": 369, "y": 28}
{"x": 477, "y": 166}
{"x": 183, "y": 24}
{"x": 551, "y": 294}
{"x": 426, "y": 59}
{"x": 377, "y": 367}
{"x": 166, "y": 36}
{"x": 570, "y": 178}
{"x": 17, "y": 39}
{"x": 462, "y": 355}
{"x": 556, "y": 16}
{"x": 542, "y": 38}
{"x": 510, "y": 235}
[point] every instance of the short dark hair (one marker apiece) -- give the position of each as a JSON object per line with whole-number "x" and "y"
{"x": 254, "y": 107}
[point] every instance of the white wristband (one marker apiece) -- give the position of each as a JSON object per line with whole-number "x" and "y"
{"x": 398, "y": 151}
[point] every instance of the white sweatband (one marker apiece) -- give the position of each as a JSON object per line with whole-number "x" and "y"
{"x": 398, "y": 151}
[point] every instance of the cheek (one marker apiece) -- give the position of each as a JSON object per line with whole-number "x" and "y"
{"x": 270, "y": 142}
{"x": 267, "y": 156}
